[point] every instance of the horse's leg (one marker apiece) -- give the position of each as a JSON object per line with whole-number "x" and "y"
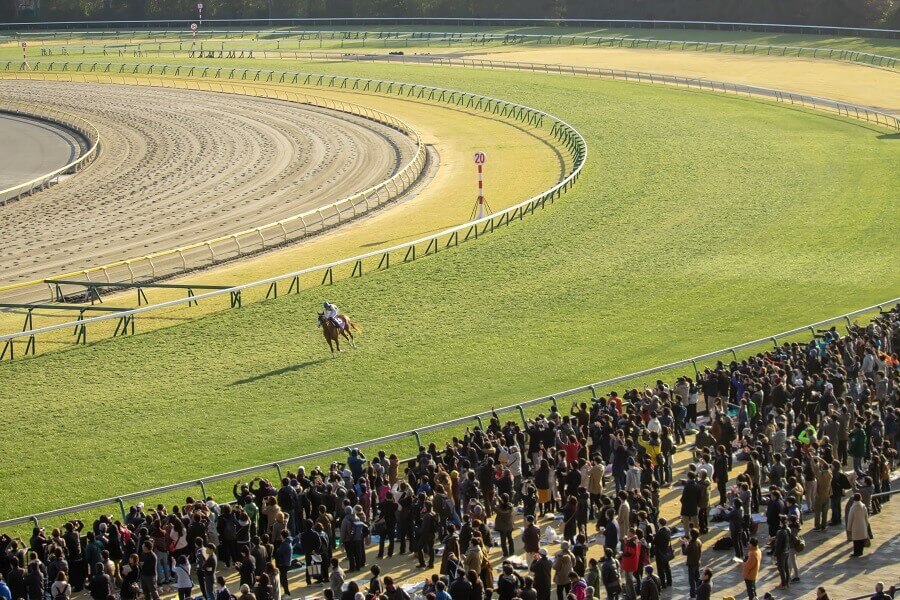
{"x": 328, "y": 339}
{"x": 337, "y": 342}
{"x": 348, "y": 335}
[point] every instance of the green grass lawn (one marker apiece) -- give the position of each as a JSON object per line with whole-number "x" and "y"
{"x": 250, "y": 39}
{"x": 700, "y": 221}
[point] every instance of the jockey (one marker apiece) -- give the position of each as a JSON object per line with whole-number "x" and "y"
{"x": 330, "y": 312}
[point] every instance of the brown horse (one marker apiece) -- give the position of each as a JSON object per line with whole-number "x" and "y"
{"x": 333, "y": 334}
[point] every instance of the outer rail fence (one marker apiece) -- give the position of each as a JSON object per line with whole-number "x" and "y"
{"x": 855, "y": 111}
{"x": 396, "y": 39}
{"x": 695, "y": 363}
{"x": 863, "y": 113}
{"x": 185, "y": 258}
{"x": 470, "y": 22}
{"x": 83, "y": 127}
{"x": 140, "y": 268}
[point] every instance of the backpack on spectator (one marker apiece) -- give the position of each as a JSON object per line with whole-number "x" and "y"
{"x": 64, "y": 591}
{"x": 611, "y": 578}
{"x": 725, "y": 543}
{"x": 798, "y": 544}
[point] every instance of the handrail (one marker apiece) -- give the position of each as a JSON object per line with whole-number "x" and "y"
{"x": 589, "y": 388}
{"x": 563, "y": 133}
{"x": 81, "y": 126}
{"x": 891, "y": 591}
{"x": 652, "y": 23}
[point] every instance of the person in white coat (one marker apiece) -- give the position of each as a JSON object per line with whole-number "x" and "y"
{"x": 858, "y": 525}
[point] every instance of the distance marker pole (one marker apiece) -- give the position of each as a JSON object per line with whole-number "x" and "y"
{"x": 480, "y": 203}
{"x": 24, "y": 59}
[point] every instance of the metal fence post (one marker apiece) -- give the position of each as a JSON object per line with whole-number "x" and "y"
{"x": 522, "y": 414}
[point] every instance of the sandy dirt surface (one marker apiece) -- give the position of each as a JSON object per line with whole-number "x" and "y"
{"x": 33, "y": 148}
{"x": 858, "y": 84}
{"x": 180, "y": 166}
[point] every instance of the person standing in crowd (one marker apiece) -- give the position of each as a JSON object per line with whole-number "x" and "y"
{"x": 183, "y": 582}
{"x": 704, "y": 590}
{"x": 858, "y": 525}
{"x": 148, "y": 562}
{"x": 208, "y": 571}
{"x": 662, "y": 548}
{"x": 611, "y": 574}
{"x": 563, "y": 564}
{"x": 780, "y": 551}
{"x": 283, "y": 555}
{"x": 692, "y": 549}
{"x": 750, "y": 567}
{"x": 650, "y": 587}
{"x": 541, "y": 567}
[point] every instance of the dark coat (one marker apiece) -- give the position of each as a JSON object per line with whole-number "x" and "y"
{"x": 690, "y": 499}
{"x": 543, "y": 574}
{"x": 531, "y": 537}
{"x": 461, "y": 589}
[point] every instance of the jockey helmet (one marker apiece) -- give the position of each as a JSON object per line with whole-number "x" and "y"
{"x": 325, "y": 304}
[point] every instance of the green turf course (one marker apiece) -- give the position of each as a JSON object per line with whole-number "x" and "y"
{"x": 885, "y": 47}
{"x": 700, "y": 221}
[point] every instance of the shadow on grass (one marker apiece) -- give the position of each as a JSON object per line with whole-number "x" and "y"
{"x": 276, "y": 372}
{"x": 889, "y": 136}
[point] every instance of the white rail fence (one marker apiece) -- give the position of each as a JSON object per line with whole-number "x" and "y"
{"x": 285, "y": 39}
{"x": 461, "y": 21}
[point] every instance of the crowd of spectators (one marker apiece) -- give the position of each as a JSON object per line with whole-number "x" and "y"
{"x": 776, "y": 437}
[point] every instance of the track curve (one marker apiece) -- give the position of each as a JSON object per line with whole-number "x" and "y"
{"x": 35, "y": 148}
{"x": 179, "y": 166}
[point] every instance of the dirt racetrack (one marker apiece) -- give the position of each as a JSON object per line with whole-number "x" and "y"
{"x": 180, "y": 166}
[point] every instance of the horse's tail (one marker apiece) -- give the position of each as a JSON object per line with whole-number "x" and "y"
{"x": 353, "y": 325}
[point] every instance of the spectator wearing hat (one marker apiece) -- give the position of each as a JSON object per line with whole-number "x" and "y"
{"x": 542, "y": 568}
{"x": 563, "y": 564}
